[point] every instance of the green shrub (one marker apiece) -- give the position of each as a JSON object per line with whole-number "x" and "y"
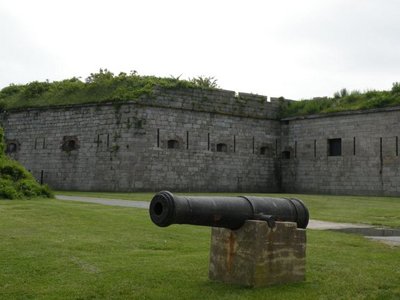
{"x": 206, "y": 82}
{"x": 10, "y": 90}
{"x": 8, "y": 190}
{"x": 10, "y": 169}
{"x": 35, "y": 89}
{"x": 30, "y": 188}
{"x": 396, "y": 88}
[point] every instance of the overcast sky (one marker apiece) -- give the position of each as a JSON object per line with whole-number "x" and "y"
{"x": 296, "y": 49}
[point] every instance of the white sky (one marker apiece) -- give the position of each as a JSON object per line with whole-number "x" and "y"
{"x": 296, "y": 49}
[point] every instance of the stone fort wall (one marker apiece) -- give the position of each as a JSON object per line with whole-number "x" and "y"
{"x": 198, "y": 140}
{"x": 190, "y": 140}
{"x": 368, "y": 163}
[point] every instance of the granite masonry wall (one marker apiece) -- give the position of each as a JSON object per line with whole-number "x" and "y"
{"x": 366, "y": 163}
{"x": 180, "y": 140}
{"x": 199, "y": 140}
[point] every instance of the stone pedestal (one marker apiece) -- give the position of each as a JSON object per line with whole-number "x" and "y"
{"x": 257, "y": 255}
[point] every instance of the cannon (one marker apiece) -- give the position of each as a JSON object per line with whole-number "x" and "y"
{"x": 227, "y": 212}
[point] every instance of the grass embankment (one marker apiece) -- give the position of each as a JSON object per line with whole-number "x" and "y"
{"x": 343, "y": 101}
{"x": 97, "y": 88}
{"x": 355, "y": 209}
{"x": 66, "y": 250}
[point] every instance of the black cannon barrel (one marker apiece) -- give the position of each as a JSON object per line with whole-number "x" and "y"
{"x": 229, "y": 212}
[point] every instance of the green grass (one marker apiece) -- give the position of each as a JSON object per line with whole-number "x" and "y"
{"x": 110, "y": 195}
{"x": 97, "y": 88}
{"x": 355, "y": 209}
{"x": 342, "y": 101}
{"x": 66, "y": 250}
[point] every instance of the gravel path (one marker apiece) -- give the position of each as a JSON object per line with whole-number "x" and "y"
{"x": 104, "y": 201}
{"x": 324, "y": 225}
{"x": 313, "y": 224}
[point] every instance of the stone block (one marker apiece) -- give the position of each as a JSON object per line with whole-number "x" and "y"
{"x": 256, "y": 255}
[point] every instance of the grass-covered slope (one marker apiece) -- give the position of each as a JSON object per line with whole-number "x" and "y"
{"x": 15, "y": 181}
{"x": 98, "y": 87}
{"x": 342, "y": 101}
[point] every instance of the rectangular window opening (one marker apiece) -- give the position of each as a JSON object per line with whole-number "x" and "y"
{"x": 234, "y": 143}
{"x": 397, "y": 146}
{"x": 208, "y": 141}
{"x": 187, "y": 139}
{"x": 253, "y": 145}
{"x": 354, "y": 145}
{"x": 285, "y": 154}
{"x": 295, "y": 149}
{"x": 334, "y": 147}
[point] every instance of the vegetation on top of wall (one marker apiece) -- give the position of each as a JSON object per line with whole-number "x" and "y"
{"x": 103, "y": 86}
{"x": 15, "y": 181}
{"x": 342, "y": 101}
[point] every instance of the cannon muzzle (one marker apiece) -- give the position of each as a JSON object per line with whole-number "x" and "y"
{"x": 228, "y": 212}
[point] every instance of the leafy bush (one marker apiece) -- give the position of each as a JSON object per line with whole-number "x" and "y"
{"x": 396, "y": 88}
{"x": 30, "y": 188}
{"x": 10, "y": 90}
{"x": 15, "y": 181}
{"x": 35, "y": 89}
{"x": 12, "y": 170}
{"x": 8, "y": 190}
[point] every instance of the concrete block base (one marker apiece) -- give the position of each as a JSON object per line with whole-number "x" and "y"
{"x": 257, "y": 255}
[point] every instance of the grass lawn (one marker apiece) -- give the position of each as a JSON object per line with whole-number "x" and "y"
{"x": 354, "y": 209}
{"x": 67, "y": 250}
